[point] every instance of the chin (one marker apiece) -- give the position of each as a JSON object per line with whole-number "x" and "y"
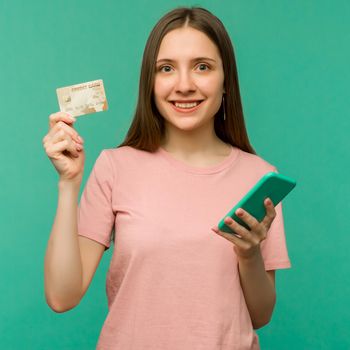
{"x": 191, "y": 123}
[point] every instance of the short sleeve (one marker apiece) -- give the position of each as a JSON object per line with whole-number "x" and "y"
{"x": 95, "y": 212}
{"x": 274, "y": 248}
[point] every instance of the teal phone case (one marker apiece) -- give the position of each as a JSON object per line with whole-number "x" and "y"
{"x": 272, "y": 185}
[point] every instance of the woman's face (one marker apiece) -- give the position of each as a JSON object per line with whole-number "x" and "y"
{"x": 189, "y": 79}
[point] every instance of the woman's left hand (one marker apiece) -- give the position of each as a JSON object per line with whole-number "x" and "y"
{"x": 247, "y": 242}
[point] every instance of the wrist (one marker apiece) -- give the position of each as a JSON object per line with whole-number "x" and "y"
{"x": 69, "y": 185}
{"x": 250, "y": 258}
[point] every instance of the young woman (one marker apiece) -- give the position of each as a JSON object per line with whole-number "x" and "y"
{"x": 175, "y": 281}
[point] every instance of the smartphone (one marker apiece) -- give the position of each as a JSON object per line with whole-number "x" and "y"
{"x": 272, "y": 185}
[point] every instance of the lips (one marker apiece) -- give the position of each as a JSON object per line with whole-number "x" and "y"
{"x": 186, "y": 106}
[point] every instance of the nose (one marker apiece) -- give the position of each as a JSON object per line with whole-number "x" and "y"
{"x": 185, "y": 83}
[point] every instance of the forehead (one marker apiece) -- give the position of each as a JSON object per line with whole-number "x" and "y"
{"x": 187, "y": 42}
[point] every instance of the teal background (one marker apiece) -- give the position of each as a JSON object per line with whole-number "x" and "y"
{"x": 293, "y": 63}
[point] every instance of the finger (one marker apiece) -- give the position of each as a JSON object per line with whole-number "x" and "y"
{"x": 233, "y": 238}
{"x": 68, "y": 129}
{"x": 59, "y": 148}
{"x": 270, "y": 213}
{"x": 60, "y": 116}
{"x": 62, "y": 135}
{"x": 238, "y": 229}
{"x": 256, "y": 227}
{"x": 250, "y": 220}
{"x": 230, "y": 236}
{"x": 70, "y": 144}
{"x": 71, "y": 148}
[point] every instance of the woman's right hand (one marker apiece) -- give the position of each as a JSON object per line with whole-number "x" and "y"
{"x": 64, "y": 147}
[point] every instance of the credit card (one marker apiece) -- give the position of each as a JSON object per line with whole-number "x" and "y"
{"x": 84, "y": 98}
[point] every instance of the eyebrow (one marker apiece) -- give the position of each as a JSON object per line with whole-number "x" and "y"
{"x": 193, "y": 60}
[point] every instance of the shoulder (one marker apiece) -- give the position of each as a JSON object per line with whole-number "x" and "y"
{"x": 254, "y": 162}
{"x": 125, "y": 165}
{"x": 127, "y": 159}
{"x": 125, "y": 153}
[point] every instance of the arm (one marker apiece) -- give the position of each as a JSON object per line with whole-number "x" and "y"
{"x": 258, "y": 285}
{"x": 258, "y": 288}
{"x": 70, "y": 261}
{"x": 63, "y": 268}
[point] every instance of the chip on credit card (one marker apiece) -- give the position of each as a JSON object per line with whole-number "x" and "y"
{"x": 84, "y": 98}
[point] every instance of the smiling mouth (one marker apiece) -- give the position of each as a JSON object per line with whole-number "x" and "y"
{"x": 186, "y": 105}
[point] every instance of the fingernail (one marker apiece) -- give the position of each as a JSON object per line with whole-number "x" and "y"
{"x": 239, "y": 212}
{"x": 80, "y": 139}
{"x": 228, "y": 220}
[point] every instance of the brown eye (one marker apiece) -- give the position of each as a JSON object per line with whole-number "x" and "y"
{"x": 165, "y": 69}
{"x": 203, "y": 67}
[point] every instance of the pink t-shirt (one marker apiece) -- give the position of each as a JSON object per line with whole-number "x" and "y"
{"x": 173, "y": 284}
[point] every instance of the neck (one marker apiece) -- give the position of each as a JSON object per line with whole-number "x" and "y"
{"x": 194, "y": 142}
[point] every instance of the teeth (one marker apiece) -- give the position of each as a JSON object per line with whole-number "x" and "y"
{"x": 186, "y": 105}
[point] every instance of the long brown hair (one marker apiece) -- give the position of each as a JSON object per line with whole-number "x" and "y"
{"x": 147, "y": 127}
